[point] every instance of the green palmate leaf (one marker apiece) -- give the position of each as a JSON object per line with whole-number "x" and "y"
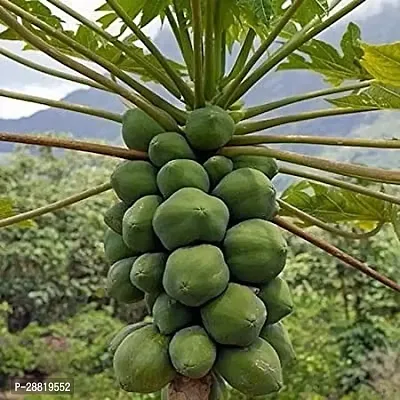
{"x": 132, "y": 7}
{"x": 153, "y": 9}
{"x": 383, "y": 62}
{"x": 309, "y": 10}
{"x": 38, "y": 9}
{"x": 323, "y": 58}
{"x": 7, "y": 210}
{"x": 378, "y": 95}
{"x": 335, "y": 205}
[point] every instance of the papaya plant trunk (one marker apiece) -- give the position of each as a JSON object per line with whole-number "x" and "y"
{"x": 183, "y": 388}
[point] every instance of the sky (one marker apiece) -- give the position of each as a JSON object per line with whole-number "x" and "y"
{"x": 18, "y": 78}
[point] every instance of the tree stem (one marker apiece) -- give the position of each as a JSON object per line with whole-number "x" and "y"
{"x": 334, "y": 251}
{"x": 188, "y": 53}
{"x": 50, "y": 71}
{"x": 198, "y": 53}
{"x": 243, "y": 55}
{"x": 163, "y": 118}
{"x": 136, "y": 56}
{"x": 63, "y": 105}
{"x": 184, "y": 89}
{"x": 210, "y": 51}
{"x": 316, "y": 140}
{"x": 54, "y": 206}
{"x": 109, "y": 66}
{"x": 288, "y": 48}
{"x": 71, "y": 144}
{"x": 346, "y": 169}
{"x": 325, "y": 226}
{"x": 225, "y": 99}
{"x": 338, "y": 183}
{"x": 219, "y": 45}
{"x": 245, "y": 128}
{"x": 261, "y": 109}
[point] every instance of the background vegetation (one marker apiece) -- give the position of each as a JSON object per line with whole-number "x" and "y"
{"x": 55, "y": 320}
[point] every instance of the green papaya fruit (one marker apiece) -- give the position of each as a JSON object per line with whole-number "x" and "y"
{"x": 141, "y": 362}
{"x": 138, "y": 128}
{"x": 192, "y": 352}
{"x": 177, "y": 174}
{"x": 123, "y": 333}
{"x": 254, "y": 370}
{"x": 248, "y": 193}
{"x": 113, "y": 216}
{"x": 195, "y": 275}
{"x": 149, "y": 300}
{"x": 132, "y": 180}
{"x": 169, "y": 315}
{"x": 209, "y": 128}
{"x": 118, "y": 284}
{"x": 235, "y": 317}
{"x": 217, "y": 167}
{"x": 147, "y": 272}
{"x": 114, "y": 247}
{"x": 277, "y": 298}
{"x": 169, "y": 146}
{"x": 266, "y": 165}
{"x": 188, "y": 216}
{"x": 137, "y": 228}
{"x": 277, "y": 336}
{"x": 255, "y": 251}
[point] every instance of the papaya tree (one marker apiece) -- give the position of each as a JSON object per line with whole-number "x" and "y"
{"x": 196, "y": 230}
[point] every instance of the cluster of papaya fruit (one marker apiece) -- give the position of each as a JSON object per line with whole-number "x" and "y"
{"x": 191, "y": 236}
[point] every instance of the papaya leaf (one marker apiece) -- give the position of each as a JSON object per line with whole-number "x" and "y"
{"x": 378, "y": 95}
{"x": 152, "y": 9}
{"x": 322, "y": 57}
{"x": 383, "y": 62}
{"x": 335, "y": 205}
{"x": 309, "y": 10}
{"x": 7, "y": 210}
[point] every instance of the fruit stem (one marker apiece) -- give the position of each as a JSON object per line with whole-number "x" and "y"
{"x": 183, "y": 36}
{"x": 294, "y": 211}
{"x": 346, "y": 169}
{"x": 163, "y": 118}
{"x": 58, "y": 205}
{"x": 109, "y": 66}
{"x": 316, "y": 140}
{"x": 225, "y": 98}
{"x": 71, "y": 144}
{"x": 209, "y": 51}
{"x": 243, "y": 56}
{"x": 184, "y": 89}
{"x": 338, "y": 183}
{"x": 245, "y": 128}
{"x": 63, "y": 105}
{"x": 263, "y": 108}
{"x": 50, "y": 71}
{"x": 236, "y": 91}
{"x": 334, "y": 251}
{"x": 198, "y": 53}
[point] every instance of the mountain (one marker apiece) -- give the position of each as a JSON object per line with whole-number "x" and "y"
{"x": 274, "y": 86}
